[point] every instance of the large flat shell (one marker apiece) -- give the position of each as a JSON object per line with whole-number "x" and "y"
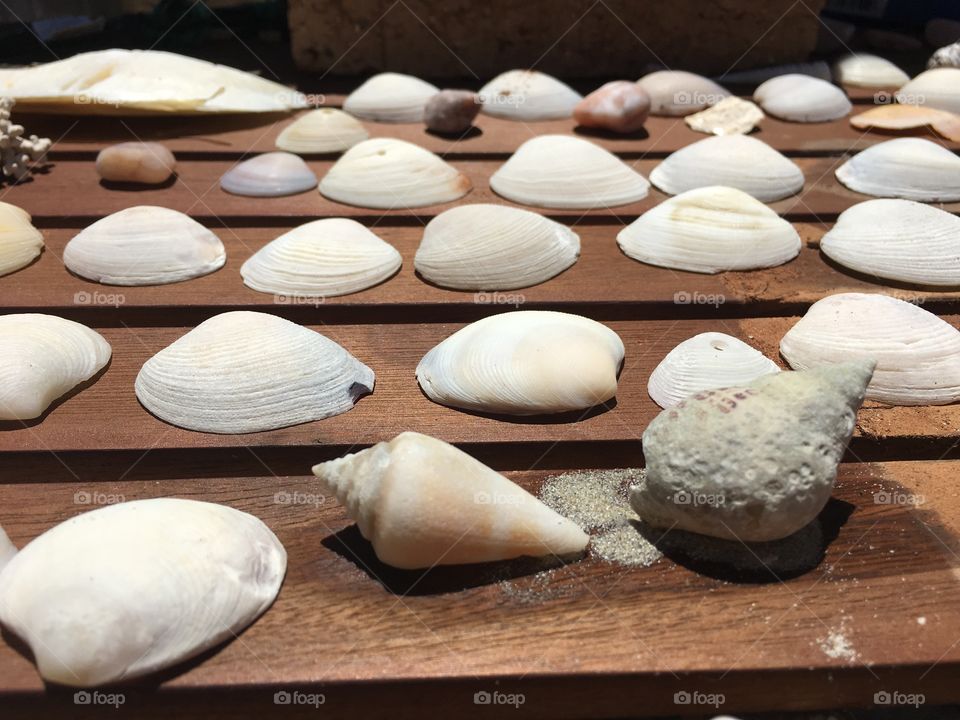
{"x": 133, "y": 588}
{"x": 937, "y": 88}
{"x": 676, "y": 92}
{"x": 325, "y": 130}
{"x": 801, "y": 98}
{"x": 906, "y": 117}
{"x": 20, "y": 242}
{"x": 730, "y": 116}
{"x": 528, "y": 95}
{"x": 909, "y": 168}
{"x": 390, "y": 97}
{"x": 242, "y": 372}
{"x": 866, "y": 70}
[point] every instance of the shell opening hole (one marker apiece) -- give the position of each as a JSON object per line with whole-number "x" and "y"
{"x": 718, "y": 345}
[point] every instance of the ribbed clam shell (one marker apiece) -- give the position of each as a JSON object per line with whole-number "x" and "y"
{"x": 272, "y": 174}
{"x": 390, "y": 97}
{"x": 20, "y": 241}
{"x": 736, "y": 161}
{"x": 43, "y": 357}
{"x": 909, "y": 168}
{"x": 323, "y": 258}
{"x": 917, "y": 353}
{"x": 937, "y": 88}
{"x": 710, "y": 230}
{"x": 801, "y": 98}
{"x": 494, "y": 247}
{"x": 866, "y": 70}
{"x": 528, "y": 95}
{"x": 144, "y": 245}
{"x": 706, "y": 361}
{"x": 242, "y": 372}
{"x": 422, "y": 502}
{"x": 898, "y": 240}
{"x": 676, "y": 92}
{"x": 325, "y": 130}
{"x": 387, "y": 173}
{"x": 136, "y": 587}
{"x": 527, "y": 362}
{"x": 560, "y": 171}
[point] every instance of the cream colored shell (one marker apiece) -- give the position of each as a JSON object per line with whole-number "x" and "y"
{"x": 20, "y": 242}
{"x": 529, "y": 96}
{"x": 937, "y": 88}
{"x": 325, "y": 130}
{"x": 909, "y": 168}
{"x": 801, "y": 98}
{"x": 866, "y": 70}
{"x": 390, "y": 97}
{"x": 677, "y": 92}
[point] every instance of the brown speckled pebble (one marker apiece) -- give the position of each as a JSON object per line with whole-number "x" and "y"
{"x": 147, "y": 163}
{"x": 451, "y": 111}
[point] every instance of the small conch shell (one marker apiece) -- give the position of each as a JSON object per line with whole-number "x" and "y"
{"x": 20, "y": 241}
{"x": 907, "y": 117}
{"x": 272, "y": 174}
{"x": 136, "y": 587}
{"x": 494, "y": 247}
{"x": 711, "y": 230}
{"x": 527, "y": 362}
{"x": 676, "y": 92}
{"x": 801, "y": 98}
{"x": 706, "y": 361}
{"x": 528, "y": 95}
{"x": 560, "y": 171}
{"x": 937, "y": 88}
{"x": 387, "y": 173}
{"x": 323, "y": 258}
{"x": 917, "y": 353}
{"x": 909, "y": 168}
{"x": 241, "y": 372}
{"x": 144, "y": 245}
{"x": 324, "y": 130}
{"x": 43, "y": 357}
{"x": 391, "y": 98}
{"x": 421, "y": 503}
{"x": 866, "y": 70}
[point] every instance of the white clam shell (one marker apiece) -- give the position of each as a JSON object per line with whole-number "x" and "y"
{"x": 527, "y": 362}
{"x": 43, "y": 357}
{"x": 494, "y": 247}
{"x": 422, "y": 502}
{"x": 706, "y": 361}
{"x": 528, "y": 95}
{"x": 272, "y": 174}
{"x": 325, "y": 130}
{"x": 242, "y": 372}
{"x": 710, "y": 230}
{"x": 866, "y": 70}
{"x": 386, "y": 173}
{"x": 677, "y": 92}
{"x": 801, "y": 98}
{"x": 917, "y": 353}
{"x": 144, "y": 245}
{"x": 898, "y": 240}
{"x": 560, "y": 171}
{"x": 736, "y": 161}
{"x": 20, "y": 241}
{"x": 133, "y": 588}
{"x": 323, "y": 258}
{"x": 7, "y": 549}
{"x": 937, "y": 88}
{"x": 390, "y": 97}
{"x": 909, "y": 168}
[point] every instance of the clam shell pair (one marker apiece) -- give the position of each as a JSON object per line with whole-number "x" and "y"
{"x": 524, "y": 363}
{"x": 144, "y": 245}
{"x": 20, "y": 242}
{"x": 917, "y": 353}
{"x": 801, "y": 98}
{"x": 421, "y": 503}
{"x": 909, "y": 168}
{"x": 133, "y": 588}
{"x": 528, "y": 96}
{"x": 710, "y": 230}
{"x": 272, "y": 174}
{"x": 242, "y": 372}
{"x": 866, "y": 70}
{"x": 325, "y": 130}
{"x": 937, "y": 88}
{"x": 494, "y": 247}
{"x": 391, "y": 98}
{"x": 676, "y": 92}
{"x": 43, "y": 357}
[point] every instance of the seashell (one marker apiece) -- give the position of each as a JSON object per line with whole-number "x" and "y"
{"x": 144, "y": 245}
{"x": 706, "y": 361}
{"x": 917, "y": 353}
{"x": 905, "y": 117}
{"x": 322, "y": 258}
{"x": 272, "y": 174}
{"x": 390, "y": 98}
{"x": 7, "y": 550}
{"x": 755, "y": 76}
{"x": 560, "y": 171}
{"x": 947, "y": 56}
{"x": 146, "y": 163}
{"x": 528, "y": 95}
{"x": 242, "y": 372}
{"x": 801, "y": 98}
{"x": 910, "y": 168}
{"x": 43, "y": 357}
{"x": 621, "y": 106}
{"x": 752, "y": 463}
{"x": 711, "y": 230}
{"x": 20, "y": 242}
{"x": 736, "y": 161}
{"x": 937, "y": 88}
{"x": 494, "y": 247}
{"x": 866, "y": 70}
{"x": 731, "y": 116}
{"x": 325, "y": 130}
{"x": 898, "y": 240}
{"x": 676, "y": 92}
{"x": 387, "y": 173}
{"x": 526, "y": 362}
{"x": 136, "y": 587}
{"x": 421, "y": 503}
{"x": 451, "y": 111}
